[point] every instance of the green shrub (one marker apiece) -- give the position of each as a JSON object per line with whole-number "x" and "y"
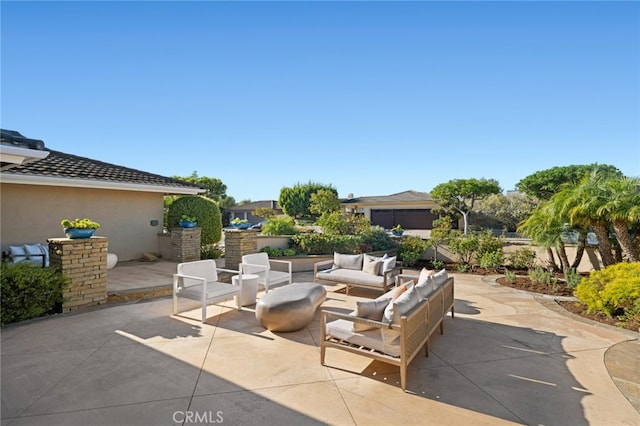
{"x": 276, "y": 252}
{"x": 491, "y": 260}
{"x": 377, "y": 239}
{"x": 30, "y": 291}
{"x": 411, "y": 249}
{"x": 540, "y": 276}
{"x": 325, "y": 244}
{"x": 488, "y": 243}
{"x": 615, "y": 289}
{"x": 571, "y": 278}
{"x": 510, "y": 276}
{"x": 463, "y": 267}
{"x": 437, "y": 264}
{"x": 280, "y": 225}
{"x": 339, "y": 223}
{"x": 273, "y": 252}
{"x": 523, "y": 258}
{"x": 205, "y": 211}
{"x": 211, "y": 251}
{"x": 465, "y": 246}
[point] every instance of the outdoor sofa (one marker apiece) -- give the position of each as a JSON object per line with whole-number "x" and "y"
{"x": 359, "y": 270}
{"x": 396, "y": 326}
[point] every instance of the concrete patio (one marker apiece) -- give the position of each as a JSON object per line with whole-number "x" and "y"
{"x": 506, "y": 358}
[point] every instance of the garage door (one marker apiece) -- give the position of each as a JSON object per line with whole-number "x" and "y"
{"x": 407, "y": 218}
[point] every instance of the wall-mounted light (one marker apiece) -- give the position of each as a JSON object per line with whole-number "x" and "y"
{"x": 154, "y": 222}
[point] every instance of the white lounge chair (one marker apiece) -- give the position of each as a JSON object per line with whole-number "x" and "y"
{"x": 198, "y": 280}
{"x": 261, "y": 265}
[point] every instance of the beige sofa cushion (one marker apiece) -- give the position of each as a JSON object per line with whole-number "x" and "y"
{"x": 396, "y": 309}
{"x": 347, "y": 261}
{"x": 371, "y": 264}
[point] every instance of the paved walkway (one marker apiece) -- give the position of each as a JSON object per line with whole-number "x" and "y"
{"x": 506, "y": 358}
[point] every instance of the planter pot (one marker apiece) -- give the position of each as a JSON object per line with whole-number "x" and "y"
{"x": 185, "y": 224}
{"x": 241, "y": 225}
{"x": 397, "y": 233}
{"x": 74, "y": 233}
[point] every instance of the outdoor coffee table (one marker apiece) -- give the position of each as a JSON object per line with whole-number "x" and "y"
{"x": 290, "y": 308}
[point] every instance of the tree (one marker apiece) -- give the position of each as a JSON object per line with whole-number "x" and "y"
{"x": 324, "y": 201}
{"x": 545, "y": 183}
{"x": 296, "y": 201}
{"x": 460, "y": 195}
{"x": 623, "y": 207}
{"x": 439, "y": 234}
{"x": 215, "y": 189}
{"x": 264, "y": 212}
{"x": 545, "y": 227}
{"x": 505, "y": 211}
{"x": 581, "y": 204}
{"x": 603, "y": 201}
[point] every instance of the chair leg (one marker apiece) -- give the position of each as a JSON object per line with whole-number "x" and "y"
{"x": 204, "y": 313}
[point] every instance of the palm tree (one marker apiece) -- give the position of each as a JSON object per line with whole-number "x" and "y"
{"x": 545, "y": 227}
{"x": 622, "y": 206}
{"x": 581, "y": 204}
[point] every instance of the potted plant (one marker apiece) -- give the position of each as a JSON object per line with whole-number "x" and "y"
{"x": 187, "y": 221}
{"x": 397, "y": 230}
{"x": 79, "y": 228}
{"x": 240, "y": 223}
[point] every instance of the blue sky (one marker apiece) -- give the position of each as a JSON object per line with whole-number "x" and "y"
{"x": 373, "y": 98}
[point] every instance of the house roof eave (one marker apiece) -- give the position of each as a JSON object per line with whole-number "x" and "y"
{"x": 97, "y": 184}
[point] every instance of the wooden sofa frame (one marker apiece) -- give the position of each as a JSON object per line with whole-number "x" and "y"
{"x": 415, "y": 330}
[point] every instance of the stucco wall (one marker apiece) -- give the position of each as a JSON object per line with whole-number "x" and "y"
{"x": 31, "y": 213}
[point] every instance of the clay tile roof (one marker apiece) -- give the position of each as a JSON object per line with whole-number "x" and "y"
{"x": 61, "y": 165}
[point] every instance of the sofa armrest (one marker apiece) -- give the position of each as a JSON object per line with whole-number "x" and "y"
{"x": 318, "y": 266}
{"x": 404, "y": 278}
{"x": 389, "y": 276}
{"x": 332, "y": 315}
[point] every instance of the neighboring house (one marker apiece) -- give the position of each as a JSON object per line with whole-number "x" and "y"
{"x": 127, "y": 203}
{"x": 243, "y": 211}
{"x": 410, "y": 209}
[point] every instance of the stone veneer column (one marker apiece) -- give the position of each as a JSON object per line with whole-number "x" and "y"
{"x": 238, "y": 242}
{"x": 185, "y": 244}
{"x": 84, "y": 261}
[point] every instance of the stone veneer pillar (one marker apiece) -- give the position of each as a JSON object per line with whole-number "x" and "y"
{"x": 185, "y": 244}
{"x": 84, "y": 262}
{"x": 238, "y": 242}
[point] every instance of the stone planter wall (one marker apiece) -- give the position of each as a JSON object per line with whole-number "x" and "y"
{"x": 185, "y": 244}
{"x": 84, "y": 262}
{"x": 237, "y": 243}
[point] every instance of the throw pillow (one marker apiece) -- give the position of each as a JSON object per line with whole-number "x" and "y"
{"x": 17, "y": 253}
{"x": 388, "y": 263}
{"x": 424, "y": 274}
{"x": 396, "y": 309}
{"x": 440, "y": 277}
{"x": 347, "y": 261}
{"x": 371, "y": 264}
{"x": 369, "y": 309}
{"x": 398, "y": 291}
{"x": 426, "y": 288}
